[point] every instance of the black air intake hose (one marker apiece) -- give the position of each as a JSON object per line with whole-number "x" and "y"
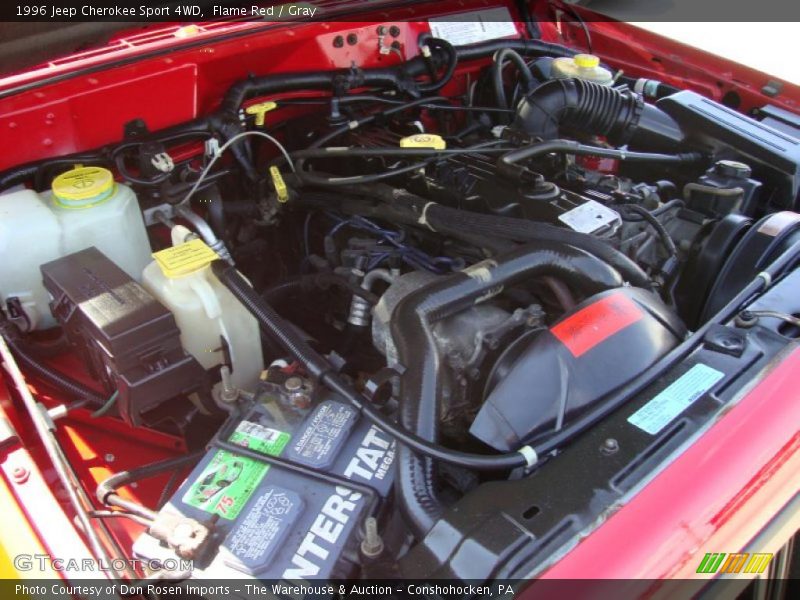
{"x": 421, "y": 382}
{"x": 582, "y": 105}
{"x": 601, "y": 276}
{"x": 450, "y": 294}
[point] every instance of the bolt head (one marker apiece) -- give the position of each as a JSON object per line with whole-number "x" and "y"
{"x": 20, "y": 474}
{"x": 610, "y": 446}
{"x": 301, "y": 401}
{"x": 293, "y": 384}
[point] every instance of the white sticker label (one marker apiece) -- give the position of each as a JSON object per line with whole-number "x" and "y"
{"x": 680, "y": 395}
{"x": 476, "y": 26}
{"x": 589, "y": 217}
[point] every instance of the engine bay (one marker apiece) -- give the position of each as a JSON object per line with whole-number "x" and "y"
{"x": 388, "y": 310}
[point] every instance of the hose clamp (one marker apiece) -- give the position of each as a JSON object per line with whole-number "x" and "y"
{"x": 423, "y": 218}
{"x": 530, "y": 456}
{"x": 766, "y": 277}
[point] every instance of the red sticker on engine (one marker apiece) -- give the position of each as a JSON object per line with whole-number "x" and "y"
{"x": 591, "y": 325}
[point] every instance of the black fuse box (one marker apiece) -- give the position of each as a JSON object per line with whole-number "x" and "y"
{"x": 129, "y": 341}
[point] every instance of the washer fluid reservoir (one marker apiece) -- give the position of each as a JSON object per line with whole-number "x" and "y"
{"x": 215, "y": 327}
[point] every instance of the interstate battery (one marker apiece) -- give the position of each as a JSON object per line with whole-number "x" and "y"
{"x": 293, "y": 517}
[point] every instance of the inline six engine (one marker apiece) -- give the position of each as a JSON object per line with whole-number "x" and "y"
{"x": 427, "y": 283}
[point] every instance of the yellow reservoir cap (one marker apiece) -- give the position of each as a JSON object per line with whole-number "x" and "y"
{"x": 185, "y": 259}
{"x": 586, "y": 61}
{"x": 83, "y": 187}
{"x": 423, "y": 140}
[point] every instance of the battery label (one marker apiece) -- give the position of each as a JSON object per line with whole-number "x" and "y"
{"x": 319, "y": 440}
{"x": 226, "y": 484}
{"x": 260, "y": 438}
{"x": 682, "y": 393}
{"x": 260, "y": 533}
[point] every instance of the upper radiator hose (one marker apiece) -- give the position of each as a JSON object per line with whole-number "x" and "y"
{"x": 582, "y": 105}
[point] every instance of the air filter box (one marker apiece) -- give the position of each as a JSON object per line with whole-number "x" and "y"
{"x": 548, "y": 378}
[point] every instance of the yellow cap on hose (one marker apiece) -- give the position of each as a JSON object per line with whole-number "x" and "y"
{"x": 259, "y": 110}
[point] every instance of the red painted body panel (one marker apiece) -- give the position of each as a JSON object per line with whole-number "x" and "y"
{"x": 715, "y": 497}
{"x": 96, "y": 448}
{"x": 88, "y": 110}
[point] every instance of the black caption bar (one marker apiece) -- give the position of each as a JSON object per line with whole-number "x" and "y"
{"x": 347, "y": 10}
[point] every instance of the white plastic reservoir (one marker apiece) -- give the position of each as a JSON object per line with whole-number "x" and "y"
{"x": 212, "y": 321}
{"x": 85, "y": 207}
{"x": 582, "y": 66}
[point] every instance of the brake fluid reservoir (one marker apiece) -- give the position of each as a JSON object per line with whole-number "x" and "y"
{"x": 85, "y": 207}
{"x": 582, "y": 66}
{"x": 215, "y": 327}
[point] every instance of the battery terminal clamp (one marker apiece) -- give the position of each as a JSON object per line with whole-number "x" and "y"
{"x": 187, "y": 537}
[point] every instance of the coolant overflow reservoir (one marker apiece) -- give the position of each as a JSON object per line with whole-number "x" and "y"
{"x": 83, "y": 187}
{"x": 215, "y": 327}
{"x": 582, "y": 66}
{"x": 85, "y": 207}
